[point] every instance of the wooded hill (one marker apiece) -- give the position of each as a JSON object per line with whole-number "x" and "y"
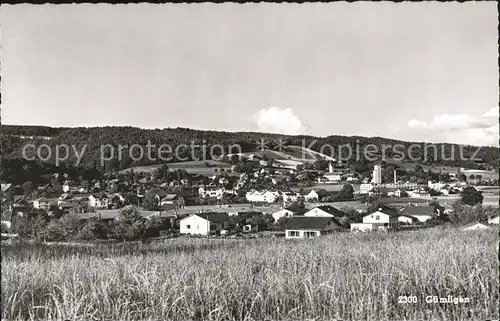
{"x": 13, "y": 138}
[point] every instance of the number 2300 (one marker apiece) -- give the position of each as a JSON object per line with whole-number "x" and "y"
{"x": 407, "y": 299}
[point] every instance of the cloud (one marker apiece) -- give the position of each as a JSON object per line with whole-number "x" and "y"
{"x": 463, "y": 128}
{"x": 417, "y": 124}
{"x": 277, "y": 120}
{"x": 493, "y": 112}
{"x": 448, "y": 122}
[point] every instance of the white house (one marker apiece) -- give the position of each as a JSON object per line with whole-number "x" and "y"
{"x": 494, "y": 219}
{"x": 330, "y": 177}
{"x": 324, "y": 211}
{"x": 301, "y": 227}
{"x": 383, "y": 219}
{"x": 172, "y": 199}
{"x": 282, "y": 213}
{"x": 365, "y": 188}
{"x": 42, "y": 204}
{"x": 204, "y": 223}
{"x": 289, "y": 197}
{"x": 405, "y": 219}
{"x": 98, "y": 201}
{"x": 312, "y": 196}
{"x": 65, "y": 198}
{"x": 262, "y": 197}
{"x": 437, "y": 186}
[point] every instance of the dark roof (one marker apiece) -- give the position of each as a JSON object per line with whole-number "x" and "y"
{"x": 214, "y": 217}
{"x": 387, "y": 210}
{"x": 312, "y": 223}
{"x": 418, "y": 210}
{"x": 332, "y": 210}
{"x": 249, "y": 214}
{"x": 297, "y": 210}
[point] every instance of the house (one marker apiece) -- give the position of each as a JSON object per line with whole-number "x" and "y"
{"x": 204, "y": 223}
{"x": 214, "y": 193}
{"x": 73, "y": 206}
{"x": 262, "y": 197}
{"x": 282, "y": 213}
{"x": 324, "y": 211}
{"x": 475, "y": 226}
{"x": 383, "y": 219}
{"x": 445, "y": 190}
{"x": 301, "y": 227}
{"x": 173, "y": 199}
{"x": 385, "y": 191}
{"x": 494, "y": 219}
{"x": 42, "y": 204}
{"x": 116, "y": 200}
{"x": 99, "y": 201}
{"x": 406, "y": 219}
{"x": 421, "y": 213}
{"x": 419, "y": 194}
{"x": 312, "y": 196}
{"x": 7, "y": 219}
{"x": 330, "y": 177}
{"x": 437, "y": 186}
{"x": 289, "y": 197}
{"x": 5, "y": 187}
{"x": 65, "y": 198}
{"x": 365, "y": 188}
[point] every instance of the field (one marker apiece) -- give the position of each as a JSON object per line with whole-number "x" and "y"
{"x": 444, "y": 169}
{"x": 192, "y": 167}
{"x": 348, "y": 276}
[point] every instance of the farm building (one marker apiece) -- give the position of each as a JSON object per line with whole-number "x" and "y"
{"x": 301, "y": 227}
{"x": 204, "y": 223}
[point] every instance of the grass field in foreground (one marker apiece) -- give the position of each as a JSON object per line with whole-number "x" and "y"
{"x": 348, "y": 276}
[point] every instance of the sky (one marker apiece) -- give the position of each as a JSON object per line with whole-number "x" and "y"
{"x": 423, "y": 71}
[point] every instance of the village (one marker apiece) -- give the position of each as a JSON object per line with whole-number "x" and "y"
{"x": 258, "y": 198}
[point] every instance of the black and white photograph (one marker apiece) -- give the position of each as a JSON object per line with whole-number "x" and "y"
{"x": 329, "y": 161}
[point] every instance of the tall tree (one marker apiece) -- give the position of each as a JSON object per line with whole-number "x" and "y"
{"x": 472, "y": 196}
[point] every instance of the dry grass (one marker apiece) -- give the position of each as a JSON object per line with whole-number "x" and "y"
{"x": 353, "y": 277}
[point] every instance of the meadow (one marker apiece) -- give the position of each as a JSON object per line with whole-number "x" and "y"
{"x": 343, "y": 276}
{"x": 192, "y": 167}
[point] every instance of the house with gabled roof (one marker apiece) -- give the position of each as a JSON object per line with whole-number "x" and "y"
{"x": 44, "y": 203}
{"x": 172, "y": 199}
{"x": 421, "y": 213}
{"x": 325, "y": 211}
{"x": 382, "y": 219}
{"x": 301, "y": 227}
{"x": 204, "y": 223}
{"x": 494, "y": 219}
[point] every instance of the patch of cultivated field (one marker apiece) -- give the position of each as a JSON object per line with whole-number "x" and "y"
{"x": 348, "y": 276}
{"x": 192, "y": 167}
{"x": 445, "y": 169}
